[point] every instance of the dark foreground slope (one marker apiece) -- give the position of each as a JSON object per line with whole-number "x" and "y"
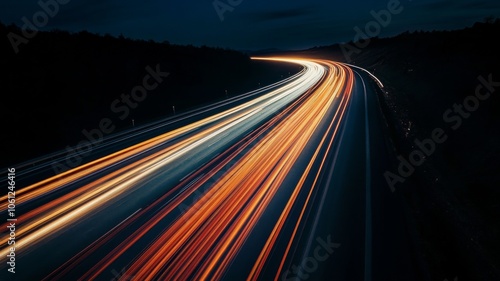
{"x": 60, "y": 84}
{"x": 430, "y": 83}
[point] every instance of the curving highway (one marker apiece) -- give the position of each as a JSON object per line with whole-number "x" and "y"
{"x": 284, "y": 183}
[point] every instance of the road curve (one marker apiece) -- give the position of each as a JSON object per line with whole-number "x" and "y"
{"x": 259, "y": 191}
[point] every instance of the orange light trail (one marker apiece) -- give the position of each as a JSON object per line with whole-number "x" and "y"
{"x": 202, "y": 242}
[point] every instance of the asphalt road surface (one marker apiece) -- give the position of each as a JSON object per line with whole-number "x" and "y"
{"x": 283, "y": 183}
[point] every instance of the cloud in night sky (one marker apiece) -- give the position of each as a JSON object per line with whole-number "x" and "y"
{"x": 255, "y": 24}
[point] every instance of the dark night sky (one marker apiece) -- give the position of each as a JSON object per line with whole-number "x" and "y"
{"x": 253, "y": 24}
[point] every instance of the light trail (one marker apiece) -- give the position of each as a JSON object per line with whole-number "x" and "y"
{"x": 260, "y": 143}
{"x": 92, "y": 196}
